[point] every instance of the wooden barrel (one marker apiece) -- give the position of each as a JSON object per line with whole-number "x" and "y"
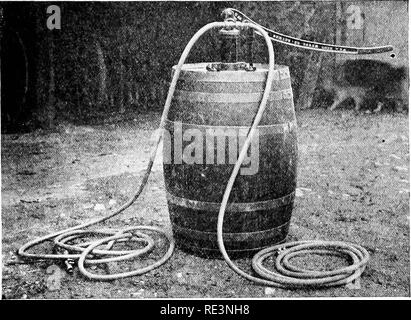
{"x": 208, "y": 121}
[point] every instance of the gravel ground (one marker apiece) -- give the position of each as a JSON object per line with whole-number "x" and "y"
{"x": 353, "y": 185}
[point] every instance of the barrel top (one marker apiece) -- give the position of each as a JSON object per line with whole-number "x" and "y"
{"x": 199, "y": 72}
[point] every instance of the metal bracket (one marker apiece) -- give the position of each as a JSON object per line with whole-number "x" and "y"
{"x": 226, "y": 66}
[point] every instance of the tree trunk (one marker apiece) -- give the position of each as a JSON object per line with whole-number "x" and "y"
{"x": 51, "y": 100}
{"x": 102, "y": 76}
{"x": 121, "y": 97}
{"x": 45, "y": 73}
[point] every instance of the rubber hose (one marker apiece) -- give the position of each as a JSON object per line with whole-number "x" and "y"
{"x": 288, "y": 276}
{"x": 76, "y": 232}
{"x": 360, "y": 255}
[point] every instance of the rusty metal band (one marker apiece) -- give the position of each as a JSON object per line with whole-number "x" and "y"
{"x": 231, "y": 207}
{"x": 206, "y": 97}
{"x": 198, "y": 72}
{"x": 263, "y": 130}
{"x": 206, "y": 250}
{"x": 237, "y": 236}
{"x": 230, "y": 87}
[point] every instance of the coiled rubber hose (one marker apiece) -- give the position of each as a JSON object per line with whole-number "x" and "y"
{"x": 82, "y": 251}
{"x": 291, "y": 277}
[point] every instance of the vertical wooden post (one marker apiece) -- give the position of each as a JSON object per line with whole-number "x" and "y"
{"x": 102, "y": 76}
{"x": 339, "y": 26}
{"x": 311, "y": 73}
{"x": 122, "y": 98}
{"x": 45, "y": 73}
{"x": 51, "y": 100}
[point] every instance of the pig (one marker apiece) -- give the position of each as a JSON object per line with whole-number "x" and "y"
{"x": 369, "y": 83}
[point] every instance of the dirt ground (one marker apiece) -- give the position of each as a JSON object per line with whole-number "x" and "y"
{"x": 353, "y": 185}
